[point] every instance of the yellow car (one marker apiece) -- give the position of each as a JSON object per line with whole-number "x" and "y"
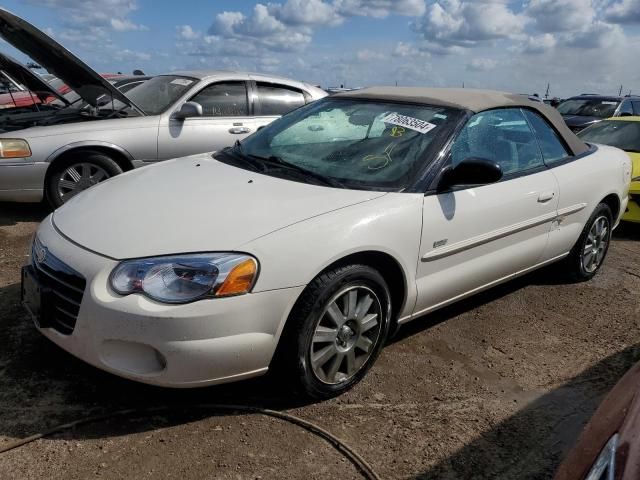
{"x": 624, "y": 133}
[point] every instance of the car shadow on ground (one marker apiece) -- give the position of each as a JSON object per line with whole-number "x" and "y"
{"x": 540, "y": 434}
{"x": 627, "y": 231}
{"x": 13, "y": 213}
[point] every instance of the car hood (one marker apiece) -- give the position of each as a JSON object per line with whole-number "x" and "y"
{"x": 191, "y": 204}
{"x": 26, "y": 77}
{"x": 580, "y": 121}
{"x": 57, "y": 60}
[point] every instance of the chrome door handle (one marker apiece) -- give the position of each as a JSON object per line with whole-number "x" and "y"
{"x": 546, "y": 196}
{"x": 239, "y": 130}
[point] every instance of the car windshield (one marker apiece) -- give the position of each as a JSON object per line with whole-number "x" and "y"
{"x": 617, "y": 133}
{"x": 158, "y": 93}
{"x": 350, "y": 143}
{"x": 595, "y": 107}
{"x": 152, "y": 96}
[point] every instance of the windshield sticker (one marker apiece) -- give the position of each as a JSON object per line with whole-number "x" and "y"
{"x": 440, "y": 116}
{"x": 185, "y": 82}
{"x": 409, "y": 122}
{"x": 609, "y": 103}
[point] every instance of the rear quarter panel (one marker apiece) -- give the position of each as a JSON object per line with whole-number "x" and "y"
{"x": 584, "y": 183}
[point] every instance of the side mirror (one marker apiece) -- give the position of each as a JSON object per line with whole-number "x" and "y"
{"x": 188, "y": 109}
{"x": 472, "y": 171}
{"x": 626, "y": 114}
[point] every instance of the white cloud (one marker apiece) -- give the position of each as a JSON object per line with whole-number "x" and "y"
{"x": 305, "y": 12}
{"x": 482, "y": 64}
{"x": 369, "y": 55}
{"x": 95, "y": 16}
{"x": 623, "y": 12}
{"x": 127, "y": 55}
{"x": 450, "y": 23}
{"x": 124, "y": 25}
{"x": 561, "y": 15}
{"x": 538, "y": 44}
{"x": 186, "y": 32}
{"x": 380, "y": 8}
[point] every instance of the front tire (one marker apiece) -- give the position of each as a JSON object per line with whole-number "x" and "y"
{"x": 589, "y": 252}
{"x": 336, "y": 330}
{"x": 74, "y": 174}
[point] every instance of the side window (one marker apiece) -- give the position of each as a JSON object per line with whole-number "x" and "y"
{"x": 228, "y": 99}
{"x": 501, "y": 135}
{"x": 278, "y": 99}
{"x": 626, "y": 109}
{"x": 636, "y": 107}
{"x": 550, "y": 144}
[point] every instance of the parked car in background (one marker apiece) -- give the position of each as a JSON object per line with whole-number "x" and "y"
{"x": 7, "y": 83}
{"x": 584, "y": 110}
{"x": 609, "y": 446}
{"x": 56, "y": 156}
{"x": 624, "y": 133}
{"x": 24, "y": 87}
{"x": 553, "y": 102}
{"x": 305, "y": 244}
{"x": 28, "y": 100}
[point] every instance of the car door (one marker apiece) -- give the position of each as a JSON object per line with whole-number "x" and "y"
{"x": 273, "y": 100}
{"x": 475, "y": 237}
{"x": 226, "y": 117}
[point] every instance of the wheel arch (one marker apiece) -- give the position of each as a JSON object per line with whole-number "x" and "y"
{"x": 613, "y": 201}
{"x": 119, "y": 155}
{"x": 390, "y": 269}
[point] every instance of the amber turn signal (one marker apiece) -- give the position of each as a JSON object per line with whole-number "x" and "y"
{"x": 239, "y": 280}
{"x": 14, "y": 148}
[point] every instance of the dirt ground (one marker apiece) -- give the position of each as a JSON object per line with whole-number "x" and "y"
{"x": 496, "y": 387}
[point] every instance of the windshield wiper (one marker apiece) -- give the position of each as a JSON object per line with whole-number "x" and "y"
{"x": 236, "y": 154}
{"x": 278, "y": 162}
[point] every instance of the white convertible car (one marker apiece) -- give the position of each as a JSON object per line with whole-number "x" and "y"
{"x": 307, "y": 243}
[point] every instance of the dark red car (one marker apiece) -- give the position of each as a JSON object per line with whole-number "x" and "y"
{"x": 609, "y": 446}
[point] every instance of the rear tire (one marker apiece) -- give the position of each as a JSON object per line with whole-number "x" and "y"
{"x": 336, "y": 331}
{"x": 589, "y": 252}
{"x": 77, "y": 172}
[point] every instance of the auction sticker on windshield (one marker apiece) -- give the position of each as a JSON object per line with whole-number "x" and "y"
{"x": 412, "y": 123}
{"x": 185, "y": 82}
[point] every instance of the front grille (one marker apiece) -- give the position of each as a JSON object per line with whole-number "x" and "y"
{"x": 63, "y": 286}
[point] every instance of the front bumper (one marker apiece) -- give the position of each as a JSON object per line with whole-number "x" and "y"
{"x": 22, "y": 182}
{"x": 197, "y": 344}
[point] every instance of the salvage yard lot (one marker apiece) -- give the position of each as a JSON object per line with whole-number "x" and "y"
{"x": 495, "y": 387}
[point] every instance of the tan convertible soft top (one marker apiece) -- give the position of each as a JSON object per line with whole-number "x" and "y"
{"x": 473, "y": 100}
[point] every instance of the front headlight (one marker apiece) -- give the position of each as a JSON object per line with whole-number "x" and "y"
{"x": 14, "y": 148}
{"x": 186, "y": 278}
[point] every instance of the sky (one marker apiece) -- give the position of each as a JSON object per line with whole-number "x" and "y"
{"x": 575, "y": 46}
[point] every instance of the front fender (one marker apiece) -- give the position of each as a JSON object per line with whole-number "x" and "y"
{"x": 295, "y": 255}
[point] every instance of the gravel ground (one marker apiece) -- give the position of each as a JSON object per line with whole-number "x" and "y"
{"x": 498, "y": 386}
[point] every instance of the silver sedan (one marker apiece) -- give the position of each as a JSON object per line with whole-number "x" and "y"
{"x": 55, "y": 154}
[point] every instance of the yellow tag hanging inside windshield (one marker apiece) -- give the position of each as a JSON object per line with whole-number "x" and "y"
{"x": 397, "y": 131}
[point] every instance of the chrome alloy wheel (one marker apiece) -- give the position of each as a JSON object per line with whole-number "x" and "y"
{"x": 79, "y": 177}
{"x": 346, "y": 334}
{"x": 595, "y": 245}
